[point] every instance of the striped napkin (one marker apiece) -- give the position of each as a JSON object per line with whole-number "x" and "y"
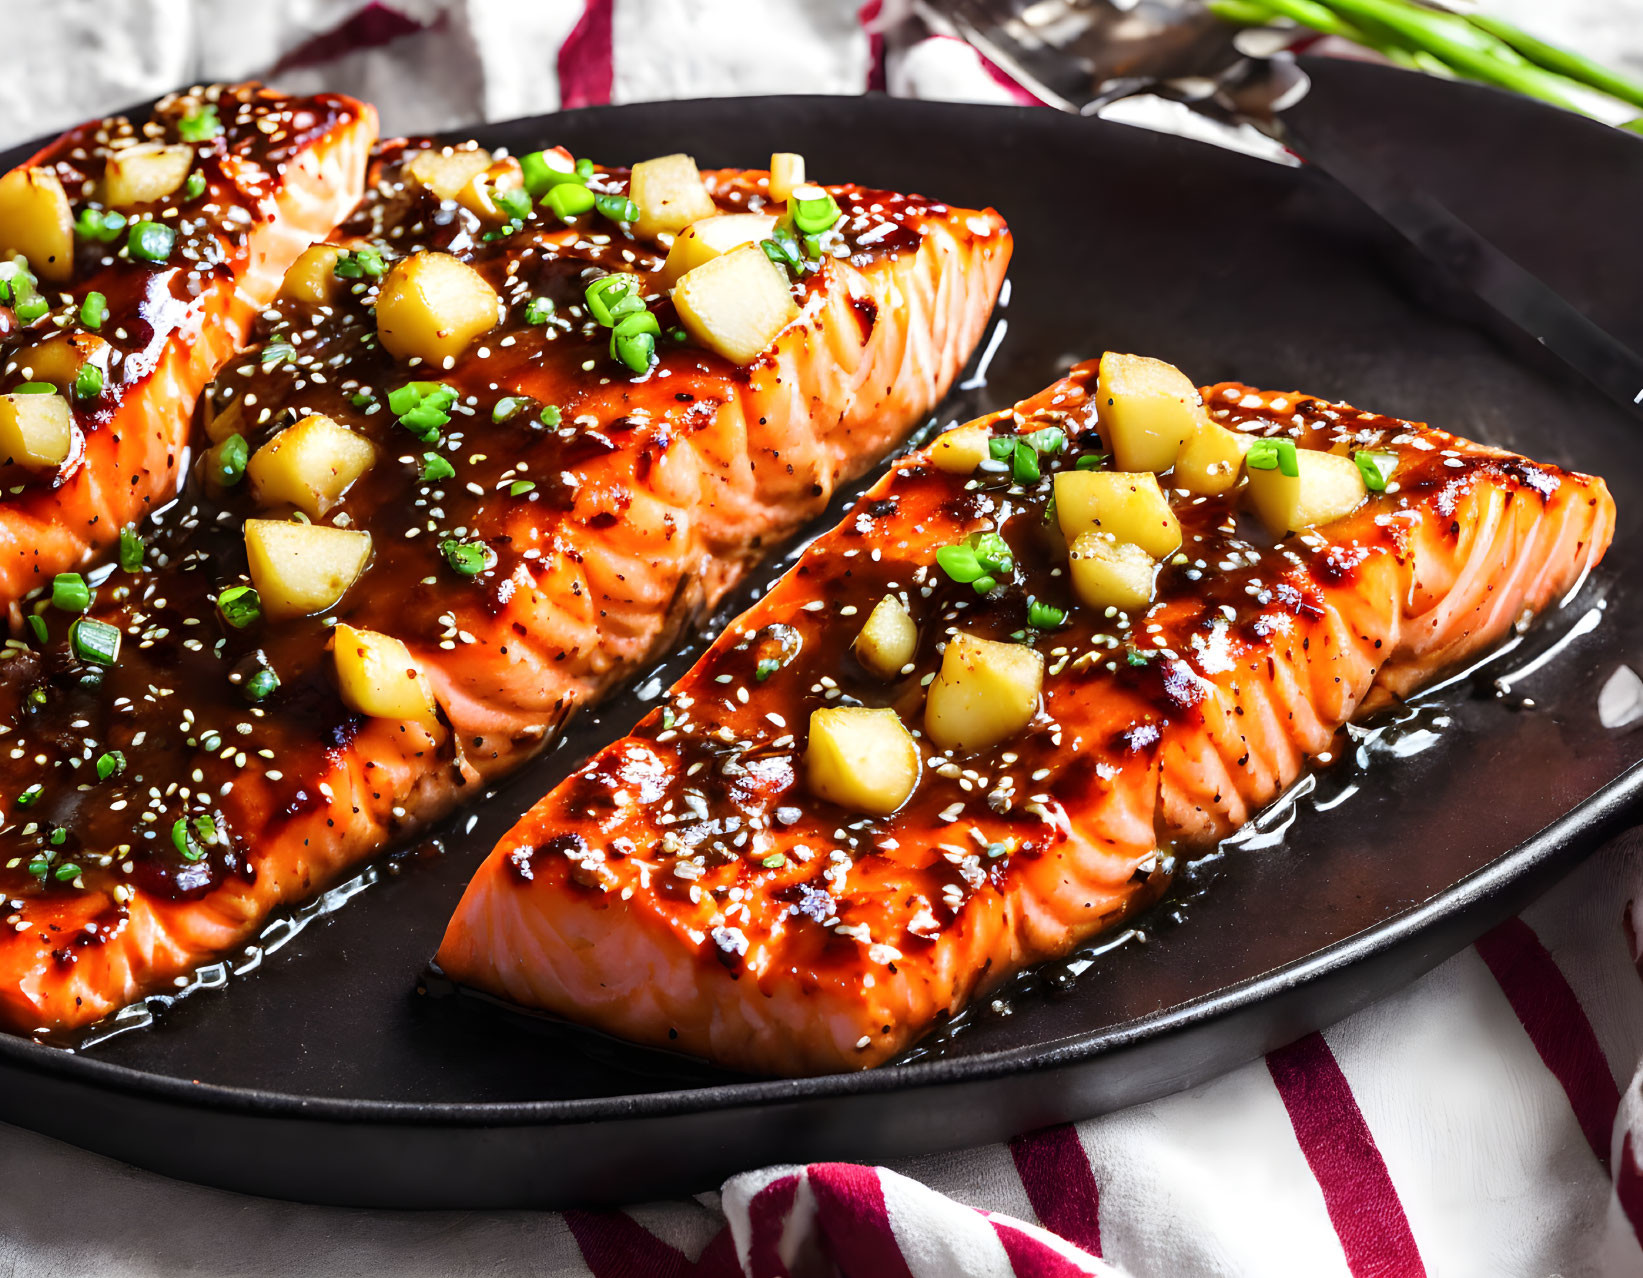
{"x": 1486, "y": 1121}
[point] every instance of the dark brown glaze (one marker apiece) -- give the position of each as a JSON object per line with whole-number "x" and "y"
{"x": 704, "y": 807}
{"x": 176, "y": 704}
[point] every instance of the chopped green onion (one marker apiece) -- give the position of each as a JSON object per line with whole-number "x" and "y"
{"x": 38, "y": 697}
{"x": 766, "y": 667}
{"x": 69, "y": 592}
{"x": 30, "y": 308}
{"x": 1000, "y": 447}
{"x": 1043, "y": 616}
{"x": 30, "y": 795}
{"x": 57, "y": 837}
{"x": 422, "y": 407}
{"x": 774, "y": 861}
{"x": 88, "y": 382}
{"x": 1090, "y": 461}
{"x": 37, "y": 624}
{"x": 1049, "y": 441}
{"x": 514, "y": 202}
{"x": 435, "y": 467}
{"x": 1024, "y": 463}
{"x": 131, "y": 549}
{"x": 606, "y": 292}
{"x": 109, "y": 763}
{"x": 261, "y": 684}
{"x": 470, "y": 558}
{"x": 1135, "y": 657}
{"x": 520, "y": 487}
{"x": 195, "y": 186}
{"x": 35, "y": 388}
{"x": 544, "y": 170}
{"x": 1273, "y": 454}
{"x": 783, "y": 252}
{"x": 359, "y": 399}
{"x": 100, "y": 225}
{"x": 568, "y": 201}
{"x": 94, "y": 310}
{"x": 539, "y": 310}
{"x": 277, "y": 353}
{"x": 959, "y": 562}
{"x": 550, "y": 415}
{"x": 65, "y": 872}
{"x": 183, "y": 841}
{"x": 232, "y": 455}
{"x": 360, "y": 263}
{"x": 584, "y": 168}
{"x": 984, "y": 584}
{"x": 199, "y": 125}
{"x": 506, "y": 407}
{"x": 95, "y": 641}
{"x": 618, "y": 208}
{"x": 813, "y": 209}
{"x": 240, "y": 606}
{"x": 633, "y": 340}
{"x": 1376, "y": 468}
{"x": 206, "y": 828}
{"x": 150, "y": 241}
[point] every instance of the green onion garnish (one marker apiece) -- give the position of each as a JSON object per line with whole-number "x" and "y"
{"x": 150, "y": 241}
{"x": 104, "y": 226}
{"x": 183, "y": 841}
{"x": 69, "y": 592}
{"x": 1273, "y": 454}
{"x": 812, "y": 209}
{"x": 1049, "y": 441}
{"x": 766, "y": 667}
{"x": 774, "y": 861}
{"x": 195, "y": 186}
{"x": 550, "y": 415}
{"x": 57, "y": 837}
{"x": 109, "y": 763}
{"x": 30, "y": 308}
{"x": 1043, "y": 616}
{"x": 538, "y": 310}
{"x": 37, "y": 624}
{"x": 95, "y": 641}
{"x": 1376, "y": 468}
{"x": 608, "y": 292}
{"x": 94, "y": 310}
{"x": 240, "y": 606}
{"x": 470, "y": 558}
{"x": 88, "y": 382}
{"x": 506, "y": 407}
{"x": 28, "y": 797}
{"x": 34, "y": 388}
{"x": 976, "y": 560}
{"x": 261, "y": 684}
{"x": 232, "y": 455}
{"x": 435, "y": 467}
{"x": 1090, "y": 461}
{"x": 514, "y": 202}
{"x": 568, "y": 201}
{"x": 199, "y": 125}
{"x": 544, "y": 170}
{"x": 131, "y": 549}
{"x": 206, "y": 828}
{"x": 618, "y": 208}
{"x": 584, "y": 168}
{"x": 520, "y": 487}
{"x": 66, "y": 872}
{"x": 360, "y": 263}
{"x": 1024, "y": 463}
{"x": 422, "y": 407}
{"x": 277, "y": 353}
{"x": 633, "y": 341}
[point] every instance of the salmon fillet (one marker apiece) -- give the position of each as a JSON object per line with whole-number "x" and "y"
{"x": 269, "y": 175}
{"x": 687, "y": 889}
{"x": 557, "y": 528}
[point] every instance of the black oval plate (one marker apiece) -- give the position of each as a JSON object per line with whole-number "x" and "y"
{"x": 326, "y": 1076}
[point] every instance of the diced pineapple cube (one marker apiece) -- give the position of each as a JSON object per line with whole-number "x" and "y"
{"x": 712, "y": 237}
{"x": 1129, "y": 507}
{"x": 431, "y": 306}
{"x": 1210, "y": 462}
{"x": 377, "y": 676}
{"x": 670, "y": 194}
{"x": 59, "y": 358}
{"x": 887, "y": 642}
{"x": 1327, "y": 488}
{"x": 445, "y": 171}
{"x": 1148, "y": 409}
{"x": 985, "y": 693}
{"x": 478, "y": 195}
{"x": 301, "y": 569}
{"x": 735, "y": 304}
{"x": 146, "y": 172}
{"x": 36, "y": 431}
{"x": 310, "y": 465}
{"x": 786, "y": 172}
{"x": 1111, "y": 574}
{"x": 35, "y": 221}
{"x": 960, "y": 450}
{"x": 312, "y": 278}
{"x": 861, "y": 759}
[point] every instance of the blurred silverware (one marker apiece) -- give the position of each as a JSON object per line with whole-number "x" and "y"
{"x": 1083, "y": 55}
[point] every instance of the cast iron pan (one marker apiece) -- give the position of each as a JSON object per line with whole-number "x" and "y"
{"x": 325, "y": 1075}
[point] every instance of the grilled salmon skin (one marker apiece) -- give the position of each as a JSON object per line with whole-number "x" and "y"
{"x": 935, "y": 752}
{"x": 145, "y": 251}
{"x": 449, "y": 498}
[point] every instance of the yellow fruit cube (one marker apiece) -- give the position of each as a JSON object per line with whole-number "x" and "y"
{"x": 736, "y": 304}
{"x": 446, "y": 170}
{"x": 712, "y": 237}
{"x": 888, "y": 640}
{"x": 960, "y": 450}
{"x": 301, "y": 569}
{"x": 670, "y": 194}
{"x": 1111, "y": 574}
{"x": 1327, "y": 488}
{"x": 35, "y": 221}
{"x": 1211, "y": 460}
{"x": 861, "y": 759}
{"x": 1128, "y": 506}
{"x": 312, "y": 278}
{"x": 309, "y": 465}
{"x": 986, "y": 692}
{"x": 1148, "y": 410}
{"x": 431, "y": 306}
{"x": 377, "y": 676}
{"x": 36, "y": 431}
{"x": 146, "y": 172}
{"x": 786, "y": 172}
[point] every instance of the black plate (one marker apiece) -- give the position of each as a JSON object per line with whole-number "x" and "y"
{"x": 325, "y": 1076}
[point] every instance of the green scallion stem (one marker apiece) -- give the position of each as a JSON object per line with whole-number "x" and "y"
{"x": 1562, "y": 61}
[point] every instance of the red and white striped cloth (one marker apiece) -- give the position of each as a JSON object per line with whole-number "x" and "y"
{"x": 1487, "y": 1121}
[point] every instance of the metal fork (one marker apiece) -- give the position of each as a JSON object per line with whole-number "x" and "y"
{"x": 1082, "y": 55}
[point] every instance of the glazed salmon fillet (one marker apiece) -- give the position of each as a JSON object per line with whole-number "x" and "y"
{"x": 149, "y": 250}
{"x": 852, "y": 816}
{"x": 483, "y": 463}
